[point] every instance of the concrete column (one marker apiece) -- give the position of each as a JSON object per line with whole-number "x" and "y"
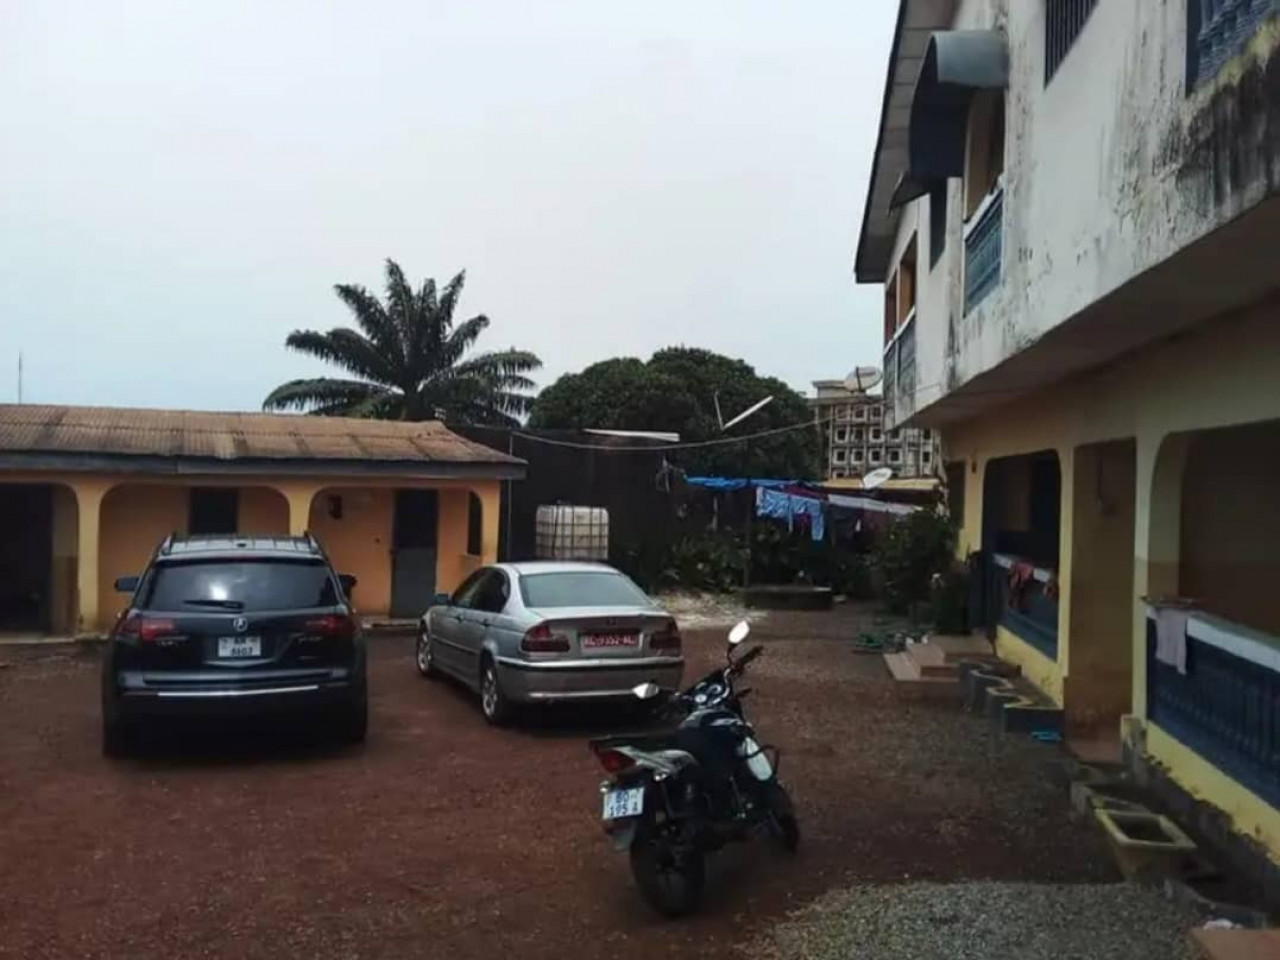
{"x": 490, "y": 495}
{"x": 299, "y": 497}
{"x": 1157, "y": 545}
{"x": 1066, "y": 551}
{"x": 89, "y": 495}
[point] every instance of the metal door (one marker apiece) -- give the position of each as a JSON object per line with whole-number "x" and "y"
{"x": 413, "y": 552}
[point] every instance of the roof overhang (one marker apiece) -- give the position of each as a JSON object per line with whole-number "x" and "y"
{"x": 957, "y": 64}
{"x": 917, "y": 22}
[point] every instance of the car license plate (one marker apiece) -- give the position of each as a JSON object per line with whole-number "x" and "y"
{"x": 232, "y": 647}
{"x": 623, "y": 803}
{"x": 603, "y": 641}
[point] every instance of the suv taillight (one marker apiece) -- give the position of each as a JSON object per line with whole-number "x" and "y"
{"x": 146, "y": 629}
{"x": 666, "y": 639}
{"x": 336, "y": 625}
{"x": 541, "y": 639}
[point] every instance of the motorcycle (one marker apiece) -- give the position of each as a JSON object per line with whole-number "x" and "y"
{"x": 674, "y": 797}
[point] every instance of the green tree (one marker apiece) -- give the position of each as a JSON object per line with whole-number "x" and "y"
{"x": 676, "y": 391}
{"x": 409, "y": 361}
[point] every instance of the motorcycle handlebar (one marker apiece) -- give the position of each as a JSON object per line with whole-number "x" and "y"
{"x": 749, "y": 656}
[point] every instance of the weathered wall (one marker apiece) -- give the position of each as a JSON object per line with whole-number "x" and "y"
{"x": 262, "y": 510}
{"x": 359, "y": 542}
{"x": 135, "y": 518}
{"x": 1109, "y": 170}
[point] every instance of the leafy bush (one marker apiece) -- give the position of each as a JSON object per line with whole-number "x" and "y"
{"x": 907, "y": 556}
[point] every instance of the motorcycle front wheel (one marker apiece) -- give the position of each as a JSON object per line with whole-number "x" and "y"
{"x": 783, "y": 824}
{"x": 670, "y": 874}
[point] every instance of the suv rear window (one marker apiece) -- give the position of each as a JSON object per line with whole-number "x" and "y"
{"x": 239, "y": 585}
{"x": 584, "y": 589}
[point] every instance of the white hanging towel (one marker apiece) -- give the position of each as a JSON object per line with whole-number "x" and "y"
{"x": 1171, "y": 637}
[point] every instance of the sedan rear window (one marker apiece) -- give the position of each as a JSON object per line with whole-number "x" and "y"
{"x": 581, "y": 589}
{"x": 240, "y": 585}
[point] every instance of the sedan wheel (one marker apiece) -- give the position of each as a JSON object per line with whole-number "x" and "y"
{"x": 496, "y": 707}
{"x": 424, "y": 656}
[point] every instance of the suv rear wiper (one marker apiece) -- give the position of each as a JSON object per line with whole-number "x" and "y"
{"x": 222, "y": 604}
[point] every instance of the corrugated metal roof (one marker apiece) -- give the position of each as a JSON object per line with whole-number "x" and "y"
{"x": 118, "y": 431}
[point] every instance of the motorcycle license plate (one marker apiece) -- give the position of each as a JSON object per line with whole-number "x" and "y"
{"x": 623, "y": 803}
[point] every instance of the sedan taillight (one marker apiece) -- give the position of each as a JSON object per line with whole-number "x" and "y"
{"x": 666, "y": 639}
{"x": 541, "y": 639}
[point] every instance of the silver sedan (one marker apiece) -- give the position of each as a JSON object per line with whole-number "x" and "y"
{"x": 521, "y": 633}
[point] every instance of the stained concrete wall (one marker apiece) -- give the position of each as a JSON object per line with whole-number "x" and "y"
{"x": 1109, "y": 169}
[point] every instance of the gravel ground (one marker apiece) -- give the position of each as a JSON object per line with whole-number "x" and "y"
{"x": 444, "y": 837}
{"x": 986, "y": 921}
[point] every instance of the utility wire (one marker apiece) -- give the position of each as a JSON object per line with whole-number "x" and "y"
{"x": 691, "y": 445}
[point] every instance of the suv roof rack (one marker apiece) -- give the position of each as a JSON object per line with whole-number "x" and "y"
{"x": 181, "y": 544}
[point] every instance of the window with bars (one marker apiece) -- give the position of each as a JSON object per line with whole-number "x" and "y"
{"x": 1217, "y": 30}
{"x": 1063, "y": 22}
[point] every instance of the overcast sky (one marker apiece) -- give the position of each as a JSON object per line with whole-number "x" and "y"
{"x": 182, "y": 184}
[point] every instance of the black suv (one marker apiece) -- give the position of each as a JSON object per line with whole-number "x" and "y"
{"x": 227, "y": 624}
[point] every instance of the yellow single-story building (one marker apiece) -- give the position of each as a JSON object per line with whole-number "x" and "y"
{"x": 87, "y": 493}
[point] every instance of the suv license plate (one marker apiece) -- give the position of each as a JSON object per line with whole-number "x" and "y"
{"x": 623, "y": 803}
{"x": 231, "y": 647}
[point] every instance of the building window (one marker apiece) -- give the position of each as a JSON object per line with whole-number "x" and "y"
{"x": 876, "y": 434}
{"x": 890, "y": 308}
{"x": 877, "y": 412}
{"x": 907, "y": 282}
{"x": 874, "y": 456}
{"x": 925, "y": 435}
{"x": 842, "y": 435}
{"x": 859, "y": 434}
{"x": 895, "y": 456}
{"x": 859, "y": 413}
{"x": 1063, "y": 22}
{"x": 1217, "y": 30}
{"x": 937, "y": 222}
{"x": 984, "y": 197}
{"x": 855, "y": 456}
{"x": 839, "y": 474}
{"x": 839, "y": 456}
{"x": 842, "y": 413}
{"x": 895, "y": 434}
{"x": 213, "y": 510}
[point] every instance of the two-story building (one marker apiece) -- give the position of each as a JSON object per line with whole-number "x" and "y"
{"x": 1073, "y": 214}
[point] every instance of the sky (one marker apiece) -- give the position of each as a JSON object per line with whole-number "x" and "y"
{"x": 182, "y": 184}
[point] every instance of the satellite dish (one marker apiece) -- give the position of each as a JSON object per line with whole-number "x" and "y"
{"x": 862, "y": 379}
{"x": 877, "y": 478}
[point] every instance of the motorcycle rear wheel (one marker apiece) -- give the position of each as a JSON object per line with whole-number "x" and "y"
{"x": 670, "y": 875}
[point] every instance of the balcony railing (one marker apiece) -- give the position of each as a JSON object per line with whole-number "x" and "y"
{"x": 1032, "y": 615}
{"x": 1217, "y": 30}
{"x": 1226, "y": 707}
{"x": 982, "y": 250}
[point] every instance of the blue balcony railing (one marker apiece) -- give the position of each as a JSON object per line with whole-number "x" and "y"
{"x": 1033, "y": 614}
{"x": 1226, "y": 708}
{"x": 1217, "y": 30}
{"x": 982, "y": 252}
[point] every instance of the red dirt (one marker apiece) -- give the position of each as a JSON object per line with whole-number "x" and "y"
{"x": 444, "y": 837}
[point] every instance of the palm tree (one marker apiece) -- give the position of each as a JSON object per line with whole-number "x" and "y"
{"x": 408, "y": 361}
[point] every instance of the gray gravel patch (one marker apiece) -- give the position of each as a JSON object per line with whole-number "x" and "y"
{"x": 991, "y": 921}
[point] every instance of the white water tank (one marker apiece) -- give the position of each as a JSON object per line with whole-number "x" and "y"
{"x": 566, "y": 532}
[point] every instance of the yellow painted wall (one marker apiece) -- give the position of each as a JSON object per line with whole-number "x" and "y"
{"x": 134, "y": 519}
{"x": 108, "y": 525}
{"x": 262, "y": 511}
{"x": 1231, "y": 524}
{"x": 1046, "y": 674}
{"x": 1224, "y": 373}
{"x": 1250, "y": 814}
{"x": 359, "y": 543}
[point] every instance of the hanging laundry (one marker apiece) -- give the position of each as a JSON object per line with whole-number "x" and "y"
{"x": 1171, "y": 637}
{"x": 786, "y": 506}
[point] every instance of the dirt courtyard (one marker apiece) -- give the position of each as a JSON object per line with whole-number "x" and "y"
{"x": 443, "y": 837}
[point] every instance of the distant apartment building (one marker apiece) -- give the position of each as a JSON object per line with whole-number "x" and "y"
{"x": 1072, "y": 215}
{"x": 857, "y": 441}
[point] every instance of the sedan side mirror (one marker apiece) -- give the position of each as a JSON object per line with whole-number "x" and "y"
{"x": 441, "y": 600}
{"x": 348, "y": 582}
{"x": 127, "y": 584}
